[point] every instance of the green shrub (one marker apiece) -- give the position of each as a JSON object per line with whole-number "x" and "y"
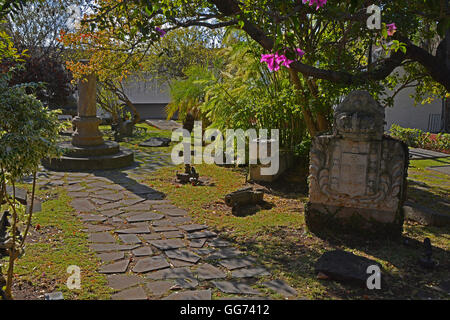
{"x": 419, "y": 139}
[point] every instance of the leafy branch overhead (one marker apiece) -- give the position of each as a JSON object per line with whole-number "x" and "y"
{"x": 331, "y": 33}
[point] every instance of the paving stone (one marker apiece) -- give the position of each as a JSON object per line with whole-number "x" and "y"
{"x": 179, "y": 263}
{"x": 82, "y": 205}
{"x": 156, "y": 142}
{"x": 130, "y": 294}
{"x": 185, "y": 284}
{"x": 236, "y": 263}
{"x": 165, "y": 229}
{"x": 148, "y": 216}
{"x": 78, "y": 194}
{"x": 235, "y": 287}
{"x": 116, "y": 220}
{"x": 163, "y": 223}
{"x": 130, "y": 202}
{"x": 190, "y": 295}
{"x": 176, "y": 273}
{"x": 137, "y": 230}
{"x": 142, "y": 206}
{"x": 142, "y": 251}
{"x": 151, "y": 236}
{"x": 111, "y": 256}
{"x": 109, "y": 206}
{"x": 159, "y": 288}
{"x": 129, "y": 238}
{"x": 173, "y": 234}
{"x": 193, "y": 227}
{"x": 97, "y": 227}
{"x": 180, "y": 220}
{"x": 111, "y": 213}
{"x": 197, "y": 243}
{"x": 111, "y": 247}
{"x": 98, "y": 202}
{"x": 175, "y": 212}
{"x": 104, "y": 237}
{"x": 250, "y": 272}
{"x": 92, "y": 217}
{"x": 131, "y": 213}
{"x": 219, "y": 243}
{"x": 184, "y": 255}
{"x": 114, "y": 187}
{"x": 75, "y": 188}
{"x": 201, "y": 234}
{"x": 150, "y": 264}
{"x": 115, "y": 267}
{"x": 109, "y": 196}
{"x": 208, "y": 272}
{"x": 225, "y": 253}
{"x": 204, "y": 251}
{"x": 281, "y": 287}
{"x": 121, "y": 281}
{"x": 168, "y": 244}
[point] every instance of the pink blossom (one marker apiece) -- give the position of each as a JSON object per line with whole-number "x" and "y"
{"x": 391, "y": 27}
{"x": 299, "y": 52}
{"x": 162, "y": 32}
{"x": 275, "y": 61}
{"x": 319, "y": 3}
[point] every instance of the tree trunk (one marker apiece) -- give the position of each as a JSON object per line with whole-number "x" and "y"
{"x": 137, "y": 117}
{"x": 307, "y": 115}
{"x": 322, "y": 122}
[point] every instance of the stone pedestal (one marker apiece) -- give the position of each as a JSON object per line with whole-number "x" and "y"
{"x": 87, "y": 132}
{"x": 88, "y": 151}
{"x": 87, "y": 122}
{"x": 357, "y": 180}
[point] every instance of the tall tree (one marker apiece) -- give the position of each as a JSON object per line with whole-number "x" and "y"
{"x": 334, "y": 37}
{"x": 35, "y": 28}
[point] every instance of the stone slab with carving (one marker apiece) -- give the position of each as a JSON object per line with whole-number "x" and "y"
{"x": 357, "y": 175}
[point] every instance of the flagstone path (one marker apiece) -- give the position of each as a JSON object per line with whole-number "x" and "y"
{"x": 149, "y": 248}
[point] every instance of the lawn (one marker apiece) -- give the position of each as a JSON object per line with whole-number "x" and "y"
{"x": 275, "y": 234}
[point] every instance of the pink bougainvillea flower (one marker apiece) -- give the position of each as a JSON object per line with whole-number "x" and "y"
{"x": 162, "y": 33}
{"x": 269, "y": 59}
{"x": 318, "y": 3}
{"x": 276, "y": 60}
{"x": 299, "y": 52}
{"x": 391, "y": 27}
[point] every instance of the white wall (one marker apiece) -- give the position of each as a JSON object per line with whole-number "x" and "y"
{"x": 408, "y": 115}
{"x": 147, "y": 92}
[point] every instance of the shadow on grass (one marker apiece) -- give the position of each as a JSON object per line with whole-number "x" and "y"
{"x": 421, "y": 195}
{"x": 293, "y": 253}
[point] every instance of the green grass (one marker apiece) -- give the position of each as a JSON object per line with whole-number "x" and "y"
{"x": 428, "y": 187}
{"x": 57, "y": 244}
{"x": 276, "y": 236}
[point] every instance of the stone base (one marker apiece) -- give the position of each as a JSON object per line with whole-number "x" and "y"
{"x": 103, "y": 157}
{"x": 286, "y": 162}
{"x": 87, "y": 132}
{"x": 323, "y": 219}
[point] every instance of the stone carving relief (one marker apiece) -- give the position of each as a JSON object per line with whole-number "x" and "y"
{"x": 357, "y": 166}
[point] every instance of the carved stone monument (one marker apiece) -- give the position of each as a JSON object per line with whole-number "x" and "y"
{"x": 87, "y": 122}
{"x": 357, "y": 180}
{"x": 88, "y": 150}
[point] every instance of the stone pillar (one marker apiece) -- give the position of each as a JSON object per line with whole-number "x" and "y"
{"x": 86, "y": 123}
{"x": 357, "y": 181}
